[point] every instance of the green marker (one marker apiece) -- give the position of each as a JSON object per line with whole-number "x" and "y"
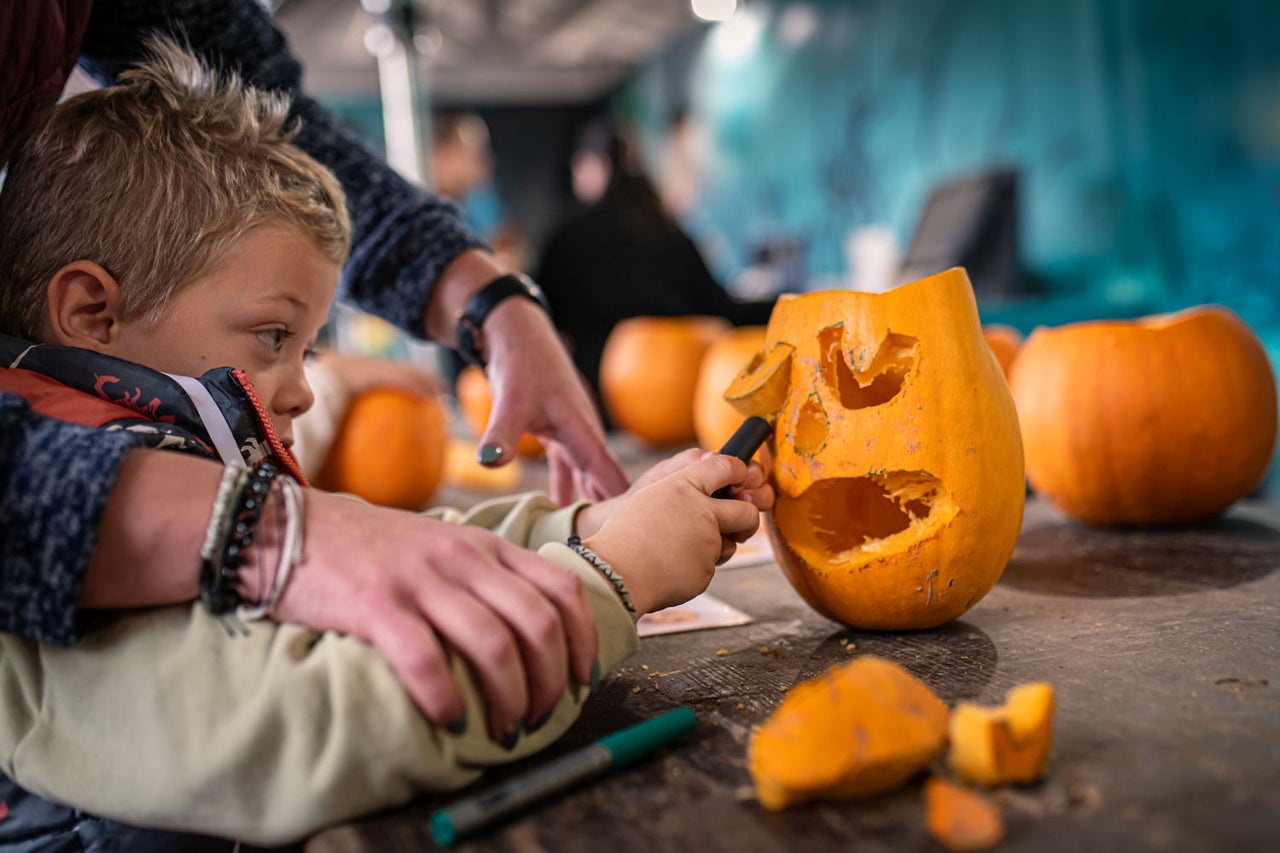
{"x": 616, "y": 750}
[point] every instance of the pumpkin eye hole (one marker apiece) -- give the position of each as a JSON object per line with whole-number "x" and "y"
{"x": 811, "y": 426}
{"x": 879, "y": 381}
{"x": 838, "y": 516}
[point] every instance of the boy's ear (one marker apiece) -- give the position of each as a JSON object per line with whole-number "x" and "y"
{"x": 84, "y": 305}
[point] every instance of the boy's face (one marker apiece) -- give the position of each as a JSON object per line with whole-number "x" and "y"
{"x": 259, "y": 310}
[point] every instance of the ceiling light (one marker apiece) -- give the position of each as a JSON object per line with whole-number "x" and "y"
{"x": 714, "y": 10}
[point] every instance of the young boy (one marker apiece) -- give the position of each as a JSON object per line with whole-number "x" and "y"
{"x": 167, "y": 258}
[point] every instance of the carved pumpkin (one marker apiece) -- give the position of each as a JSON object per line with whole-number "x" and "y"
{"x": 1005, "y": 341}
{"x": 389, "y": 450}
{"x": 648, "y": 372}
{"x": 714, "y": 419}
{"x": 896, "y": 455}
{"x": 475, "y": 401}
{"x": 1165, "y": 419}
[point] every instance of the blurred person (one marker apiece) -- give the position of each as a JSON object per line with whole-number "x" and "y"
{"x": 621, "y": 254}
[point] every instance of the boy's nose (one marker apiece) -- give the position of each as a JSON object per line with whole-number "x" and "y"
{"x": 294, "y": 396}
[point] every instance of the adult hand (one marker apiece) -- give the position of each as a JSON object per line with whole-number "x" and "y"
{"x": 534, "y": 384}
{"x": 537, "y": 390}
{"x": 407, "y": 584}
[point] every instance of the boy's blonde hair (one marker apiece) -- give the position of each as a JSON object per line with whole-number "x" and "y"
{"x": 155, "y": 180}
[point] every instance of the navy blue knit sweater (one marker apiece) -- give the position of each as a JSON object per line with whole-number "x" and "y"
{"x": 55, "y": 478}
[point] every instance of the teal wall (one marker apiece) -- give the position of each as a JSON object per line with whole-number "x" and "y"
{"x": 1147, "y": 133}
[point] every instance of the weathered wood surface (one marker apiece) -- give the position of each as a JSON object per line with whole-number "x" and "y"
{"x": 1163, "y": 646}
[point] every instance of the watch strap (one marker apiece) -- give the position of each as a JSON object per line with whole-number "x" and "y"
{"x": 470, "y": 325}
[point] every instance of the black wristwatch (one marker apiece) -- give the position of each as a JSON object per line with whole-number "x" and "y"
{"x": 470, "y": 331}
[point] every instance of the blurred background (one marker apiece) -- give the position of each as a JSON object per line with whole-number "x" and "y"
{"x": 1081, "y": 158}
{"x": 1101, "y": 158}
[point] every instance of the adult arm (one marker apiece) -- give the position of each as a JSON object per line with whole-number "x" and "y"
{"x": 55, "y": 479}
{"x": 406, "y": 584}
{"x": 413, "y": 261}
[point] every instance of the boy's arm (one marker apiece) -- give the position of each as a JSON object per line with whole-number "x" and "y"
{"x": 162, "y": 719}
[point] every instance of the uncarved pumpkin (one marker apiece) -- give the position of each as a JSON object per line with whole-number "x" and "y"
{"x": 714, "y": 419}
{"x": 896, "y": 457}
{"x": 1005, "y": 341}
{"x": 390, "y": 449}
{"x": 1165, "y": 419}
{"x": 475, "y": 401}
{"x": 649, "y": 371}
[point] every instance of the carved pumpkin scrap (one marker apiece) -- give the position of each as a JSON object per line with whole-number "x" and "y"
{"x": 863, "y": 728}
{"x": 1163, "y": 420}
{"x": 896, "y": 456}
{"x": 960, "y": 819}
{"x": 1006, "y": 744}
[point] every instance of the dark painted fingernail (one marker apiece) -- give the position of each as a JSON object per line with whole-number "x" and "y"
{"x": 457, "y": 726}
{"x": 510, "y": 738}
{"x": 541, "y": 721}
{"x": 490, "y": 454}
{"x": 595, "y": 676}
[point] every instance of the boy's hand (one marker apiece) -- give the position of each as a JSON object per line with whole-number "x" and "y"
{"x": 667, "y": 537}
{"x": 754, "y": 488}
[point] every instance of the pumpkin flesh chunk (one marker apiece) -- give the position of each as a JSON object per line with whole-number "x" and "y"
{"x": 862, "y": 728}
{"x": 960, "y": 819}
{"x": 1005, "y": 744}
{"x": 844, "y": 519}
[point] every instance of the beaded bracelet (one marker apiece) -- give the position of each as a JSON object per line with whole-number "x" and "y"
{"x": 575, "y": 544}
{"x": 230, "y": 534}
{"x": 291, "y": 513}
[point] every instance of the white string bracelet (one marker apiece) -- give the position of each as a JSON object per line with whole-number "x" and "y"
{"x": 290, "y": 550}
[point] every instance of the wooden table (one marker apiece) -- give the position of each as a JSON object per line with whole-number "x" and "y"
{"x": 1163, "y": 646}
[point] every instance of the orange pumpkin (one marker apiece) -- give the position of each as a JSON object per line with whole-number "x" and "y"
{"x": 896, "y": 456}
{"x": 1165, "y": 419}
{"x": 714, "y": 419}
{"x": 389, "y": 450}
{"x": 1005, "y": 341}
{"x": 648, "y": 373}
{"x": 475, "y": 400}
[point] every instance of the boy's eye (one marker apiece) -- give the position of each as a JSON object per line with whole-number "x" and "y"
{"x": 274, "y": 338}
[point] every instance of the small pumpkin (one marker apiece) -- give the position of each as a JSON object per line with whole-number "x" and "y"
{"x": 475, "y": 402}
{"x": 1004, "y": 341}
{"x": 715, "y": 419}
{"x": 1164, "y": 419}
{"x": 389, "y": 450}
{"x": 863, "y": 728}
{"x": 896, "y": 456}
{"x": 648, "y": 373}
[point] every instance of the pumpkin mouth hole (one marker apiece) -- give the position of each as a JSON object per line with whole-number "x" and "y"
{"x": 809, "y": 434}
{"x": 877, "y": 383}
{"x": 838, "y": 517}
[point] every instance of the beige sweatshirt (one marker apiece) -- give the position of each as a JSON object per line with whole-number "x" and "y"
{"x": 161, "y": 719}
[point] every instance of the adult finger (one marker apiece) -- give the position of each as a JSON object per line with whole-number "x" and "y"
{"x": 486, "y": 642}
{"x": 563, "y": 480}
{"x": 585, "y": 449}
{"x": 416, "y": 657}
{"x": 559, "y": 618}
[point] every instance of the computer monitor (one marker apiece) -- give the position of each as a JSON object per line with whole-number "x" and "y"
{"x": 971, "y": 222}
